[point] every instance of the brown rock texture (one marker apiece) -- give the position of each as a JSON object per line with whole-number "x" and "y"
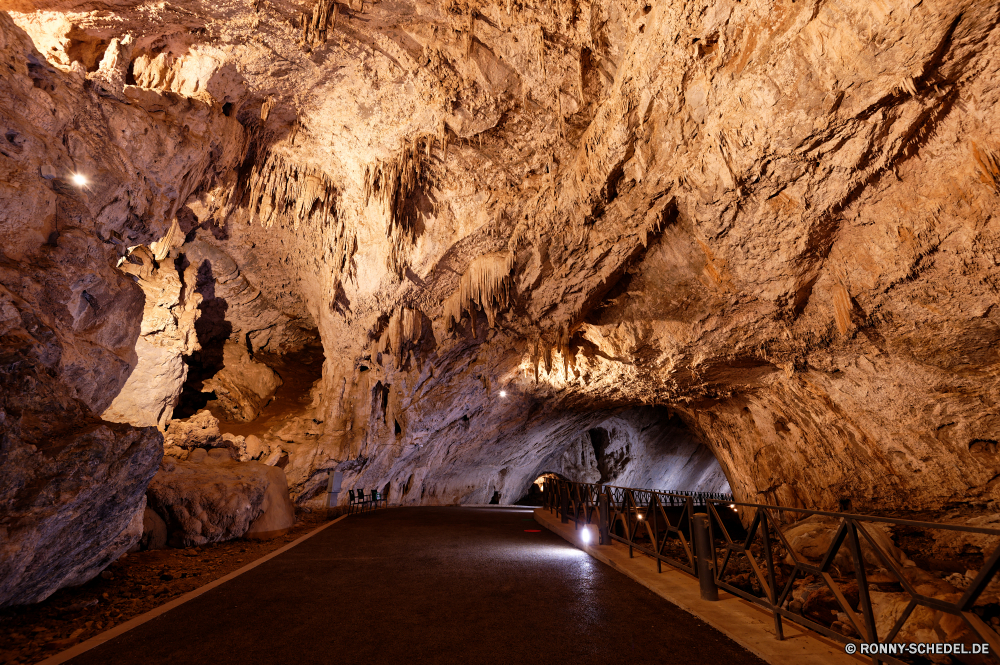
{"x": 72, "y": 490}
{"x": 243, "y": 386}
{"x": 211, "y": 497}
{"x": 277, "y": 512}
{"x": 759, "y": 232}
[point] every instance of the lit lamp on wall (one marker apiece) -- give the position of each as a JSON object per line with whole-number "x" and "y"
{"x": 79, "y": 180}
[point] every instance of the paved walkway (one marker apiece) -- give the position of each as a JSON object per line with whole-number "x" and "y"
{"x": 426, "y": 585}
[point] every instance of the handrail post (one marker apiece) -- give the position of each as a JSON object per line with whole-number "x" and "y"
{"x": 564, "y": 495}
{"x": 706, "y": 557}
{"x": 604, "y": 518}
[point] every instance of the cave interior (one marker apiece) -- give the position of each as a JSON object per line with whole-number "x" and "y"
{"x": 449, "y": 249}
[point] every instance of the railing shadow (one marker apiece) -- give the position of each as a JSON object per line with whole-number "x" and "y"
{"x": 837, "y": 574}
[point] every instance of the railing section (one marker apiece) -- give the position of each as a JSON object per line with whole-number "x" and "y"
{"x": 862, "y": 589}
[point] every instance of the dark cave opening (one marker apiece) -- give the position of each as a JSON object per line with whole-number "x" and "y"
{"x": 533, "y": 494}
{"x": 213, "y": 330}
{"x": 608, "y": 465}
{"x": 299, "y": 371}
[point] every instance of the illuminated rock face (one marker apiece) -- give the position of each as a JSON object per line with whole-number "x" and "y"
{"x": 72, "y": 490}
{"x": 771, "y": 223}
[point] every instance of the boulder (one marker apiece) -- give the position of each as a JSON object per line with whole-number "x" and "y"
{"x": 811, "y": 538}
{"x": 210, "y": 497}
{"x": 279, "y": 513}
{"x": 924, "y": 624}
{"x": 72, "y": 487}
{"x": 201, "y": 431}
{"x": 70, "y": 504}
{"x": 243, "y": 386}
{"x": 821, "y": 605}
{"x": 254, "y": 446}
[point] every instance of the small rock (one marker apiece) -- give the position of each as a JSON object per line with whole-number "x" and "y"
{"x": 47, "y": 171}
{"x": 107, "y": 575}
{"x": 79, "y": 605}
{"x": 254, "y": 446}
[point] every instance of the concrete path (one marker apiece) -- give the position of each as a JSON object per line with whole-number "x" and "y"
{"x": 426, "y": 585}
{"x": 747, "y": 624}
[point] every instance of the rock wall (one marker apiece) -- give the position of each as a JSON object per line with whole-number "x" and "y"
{"x": 511, "y": 223}
{"x": 72, "y": 487}
{"x": 166, "y": 336}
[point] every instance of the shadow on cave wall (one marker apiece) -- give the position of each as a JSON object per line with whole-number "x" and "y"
{"x": 213, "y": 330}
{"x": 611, "y": 464}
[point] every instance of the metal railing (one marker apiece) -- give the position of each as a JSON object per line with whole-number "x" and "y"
{"x": 744, "y": 551}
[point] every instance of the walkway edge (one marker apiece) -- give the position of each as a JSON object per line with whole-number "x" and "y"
{"x": 120, "y": 629}
{"x": 737, "y": 619}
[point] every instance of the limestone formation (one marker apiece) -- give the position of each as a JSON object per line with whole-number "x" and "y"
{"x": 167, "y": 335}
{"x": 210, "y": 498}
{"x": 277, "y": 512}
{"x": 810, "y": 540}
{"x": 154, "y": 531}
{"x": 199, "y": 431}
{"x": 243, "y": 386}
{"x": 705, "y": 243}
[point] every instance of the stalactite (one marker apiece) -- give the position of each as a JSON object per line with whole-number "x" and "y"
{"x": 314, "y": 28}
{"x": 562, "y": 128}
{"x": 391, "y": 184}
{"x": 565, "y": 350}
{"x": 470, "y": 34}
{"x": 536, "y": 355}
{"x": 519, "y": 234}
{"x": 443, "y": 138}
{"x": 987, "y": 164}
{"x": 485, "y": 284}
{"x": 291, "y": 195}
{"x": 405, "y": 328}
{"x": 265, "y": 108}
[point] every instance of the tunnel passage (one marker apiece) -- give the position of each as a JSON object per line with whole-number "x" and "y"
{"x": 299, "y": 371}
{"x": 643, "y": 447}
{"x": 534, "y": 496}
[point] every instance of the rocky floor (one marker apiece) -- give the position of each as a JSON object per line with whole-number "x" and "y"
{"x": 136, "y": 583}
